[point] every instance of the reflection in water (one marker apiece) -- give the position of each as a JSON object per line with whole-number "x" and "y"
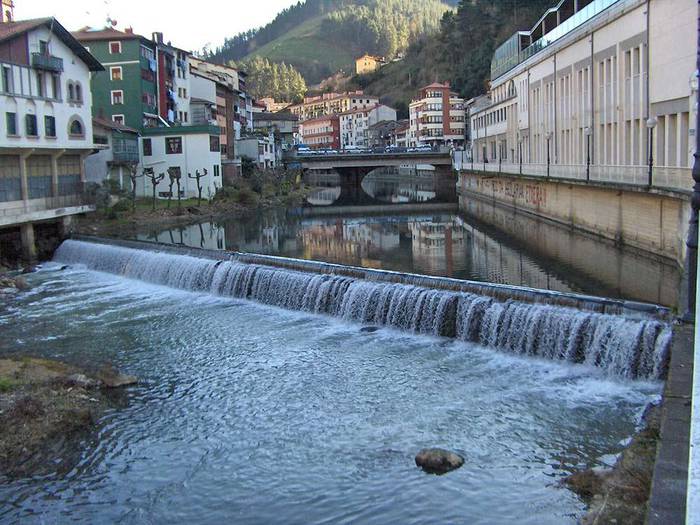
{"x": 525, "y": 253}
{"x": 391, "y": 185}
{"x": 401, "y": 185}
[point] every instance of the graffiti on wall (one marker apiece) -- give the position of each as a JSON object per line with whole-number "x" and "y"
{"x": 530, "y": 194}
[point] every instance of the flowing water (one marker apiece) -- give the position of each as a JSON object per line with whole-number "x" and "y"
{"x": 248, "y": 413}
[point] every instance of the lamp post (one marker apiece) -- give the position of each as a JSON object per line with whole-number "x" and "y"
{"x": 548, "y": 136}
{"x": 520, "y": 153}
{"x": 651, "y": 124}
{"x": 588, "y": 132}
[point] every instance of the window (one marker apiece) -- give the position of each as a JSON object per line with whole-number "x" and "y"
{"x": 214, "y": 143}
{"x": 186, "y": 117}
{"x": 55, "y": 86}
{"x": 39, "y": 84}
{"x": 30, "y": 125}
{"x": 173, "y": 145}
{"x": 118, "y": 97}
{"x": 76, "y": 128}
{"x": 115, "y": 73}
{"x": 147, "y": 148}
{"x": 119, "y": 119}
{"x": 71, "y": 92}
{"x": 216, "y": 170}
{"x": 50, "y": 126}
{"x": 78, "y": 92}
{"x": 115, "y": 48}
{"x": 43, "y": 47}
{"x": 11, "y": 121}
{"x": 8, "y": 83}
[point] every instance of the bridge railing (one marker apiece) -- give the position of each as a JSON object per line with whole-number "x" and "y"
{"x": 661, "y": 176}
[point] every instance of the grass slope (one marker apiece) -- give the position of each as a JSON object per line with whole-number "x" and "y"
{"x": 304, "y": 47}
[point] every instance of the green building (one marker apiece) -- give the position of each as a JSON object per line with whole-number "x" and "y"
{"x": 126, "y": 91}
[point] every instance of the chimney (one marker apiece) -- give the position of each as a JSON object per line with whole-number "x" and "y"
{"x": 157, "y": 38}
{"x": 129, "y": 30}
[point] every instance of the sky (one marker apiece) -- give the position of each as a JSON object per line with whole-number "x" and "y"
{"x": 210, "y": 23}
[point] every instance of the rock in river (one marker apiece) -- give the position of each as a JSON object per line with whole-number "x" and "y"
{"x": 438, "y": 460}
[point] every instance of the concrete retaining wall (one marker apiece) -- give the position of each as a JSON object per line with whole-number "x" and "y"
{"x": 655, "y": 220}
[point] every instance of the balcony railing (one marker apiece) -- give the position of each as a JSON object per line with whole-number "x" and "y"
{"x": 47, "y": 62}
{"x": 82, "y": 198}
{"x": 125, "y": 156}
{"x": 669, "y": 177}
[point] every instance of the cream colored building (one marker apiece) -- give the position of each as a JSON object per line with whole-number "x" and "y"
{"x": 367, "y": 64}
{"x": 332, "y": 104}
{"x": 581, "y": 94}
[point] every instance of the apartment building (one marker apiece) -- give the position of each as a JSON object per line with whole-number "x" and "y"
{"x": 321, "y": 132}
{"x": 596, "y": 89}
{"x": 45, "y": 128}
{"x": 355, "y": 124}
{"x": 437, "y": 117}
{"x": 332, "y": 104}
{"x": 127, "y": 91}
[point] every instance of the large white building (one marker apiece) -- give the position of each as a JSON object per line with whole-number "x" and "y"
{"x": 437, "y": 118}
{"x": 45, "y": 126}
{"x": 597, "y": 89}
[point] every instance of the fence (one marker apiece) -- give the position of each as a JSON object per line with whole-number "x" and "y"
{"x": 661, "y": 176}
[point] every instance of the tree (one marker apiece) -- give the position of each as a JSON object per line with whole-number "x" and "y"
{"x": 175, "y": 176}
{"x": 198, "y": 176}
{"x": 155, "y": 180}
{"x": 133, "y": 175}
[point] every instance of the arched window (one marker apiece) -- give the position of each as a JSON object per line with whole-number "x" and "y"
{"x": 78, "y": 92}
{"x": 76, "y": 127}
{"x": 71, "y": 92}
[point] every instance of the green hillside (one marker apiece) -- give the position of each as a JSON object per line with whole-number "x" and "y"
{"x": 308, "y": 51}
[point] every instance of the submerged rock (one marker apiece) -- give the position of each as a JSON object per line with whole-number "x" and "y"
{"x": 369, "y": 329}
{"x": 21, "y": 283}
{"x": 111, "y": 378}
{"x": 438, "y": 460}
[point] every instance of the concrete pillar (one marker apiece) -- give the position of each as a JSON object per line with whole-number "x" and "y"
{"x": 28, "y": 242}
{"x": 54, "y": 172}
{"x": 23, "y": 175}
{"x": 65, "y": 226}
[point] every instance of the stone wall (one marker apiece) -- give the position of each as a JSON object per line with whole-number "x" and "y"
{"x": 654, "y": 221}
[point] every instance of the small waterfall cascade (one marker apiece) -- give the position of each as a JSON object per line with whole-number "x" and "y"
{"x": 629, "y": 347}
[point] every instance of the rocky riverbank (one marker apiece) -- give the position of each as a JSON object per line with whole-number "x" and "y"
{"x": 620, "y": 495}
{"x": 48, "y": 409}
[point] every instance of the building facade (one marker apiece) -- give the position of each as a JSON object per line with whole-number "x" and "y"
{"x": 321, "y": 132}
{"x": 45, "y": 126}
{"x": 332, "y": 104}
{"x": 355, "y": 124}
{"x": 367, "y": 64}
{"x": 596, "y": 89}
{"x": 116, "y": 150}
{"x": 127, "y": 91}
{"x": 437, "y": 118}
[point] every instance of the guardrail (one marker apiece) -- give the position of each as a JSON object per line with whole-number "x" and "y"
{"x": 14, "y": 209}
{"x": 661, "y": 176}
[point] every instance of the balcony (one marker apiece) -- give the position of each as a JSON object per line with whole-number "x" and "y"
{"x": 47, "y": 62}
{"x": 125, "y": 152}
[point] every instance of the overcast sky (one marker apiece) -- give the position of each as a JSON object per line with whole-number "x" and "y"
{"x": 189, "y": 25}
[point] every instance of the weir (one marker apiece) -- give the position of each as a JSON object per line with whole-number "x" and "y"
{"x": 626, "y": 339}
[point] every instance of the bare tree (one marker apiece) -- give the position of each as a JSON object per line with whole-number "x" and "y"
{"x": 175, "y": 176}
{"x": 198, "y": 176}
{"x": 133, "y": 175}
{"x": 155, "y": 180}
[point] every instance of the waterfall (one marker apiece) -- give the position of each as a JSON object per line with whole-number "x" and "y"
{"x": 630, "y": 347}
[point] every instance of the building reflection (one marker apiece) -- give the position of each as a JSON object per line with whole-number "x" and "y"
{"x": 499, "y": 247}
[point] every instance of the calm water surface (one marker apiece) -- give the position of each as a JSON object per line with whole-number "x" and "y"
{"x": 250, "y": 414}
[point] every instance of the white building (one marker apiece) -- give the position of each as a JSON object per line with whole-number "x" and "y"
{"x": 437, "y": 118}
{"x": 116, "y": 150}
{"x": 181, "y": 151}
{"x": 260, "y": 148}
{"x": 354, "y": 124}
{"x": 45, "y": 126}
{"x": 595, "y": 89}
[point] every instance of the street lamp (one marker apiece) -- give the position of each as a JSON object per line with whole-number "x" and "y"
{"x": 651, "y": 124}
{"x": 588, "y": 132}
{"x": 548, "y": 136}
{"x": 520, "y": 152}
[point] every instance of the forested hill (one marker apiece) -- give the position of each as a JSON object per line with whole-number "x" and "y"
{"x": 460, "y": 52}
{"x": 320, "y": 37}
